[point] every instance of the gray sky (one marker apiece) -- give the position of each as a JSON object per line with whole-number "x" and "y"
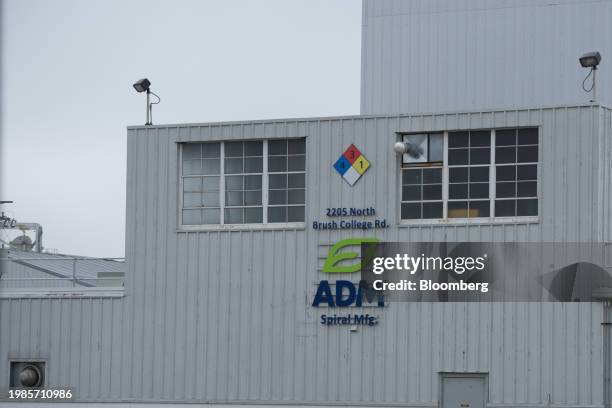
{"x": 67, "y": 71}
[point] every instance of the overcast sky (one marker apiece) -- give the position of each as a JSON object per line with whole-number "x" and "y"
{"x": 67, "y": 96}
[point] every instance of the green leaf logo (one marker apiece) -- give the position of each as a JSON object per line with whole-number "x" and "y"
{"x": 333, "y": 257}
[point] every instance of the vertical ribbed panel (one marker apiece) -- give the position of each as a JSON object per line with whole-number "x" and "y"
{"x": 80, "y": 339}
{"x": 442, "y": 55}
{"x": 226, "y": 315}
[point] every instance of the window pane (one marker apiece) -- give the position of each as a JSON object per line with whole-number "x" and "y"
{"x": 458, "y": 139}
{"x": 233, "y": 166}
{"x": 456, "y": 191}
{"x": 211, "y": 150}
{"x": 234, "y": 183}
{"x": 296, "y": 196}
{"x": 479, "y": 190}
{"x": 436, "y": 147}
{"x": 253, "y": 215}
{"x": 192, "y": 151}
{"x": 432, "y": 192}
{"x": 505, "y": 155}
{"x": 528, "y": 172}
{"x": 297, "y": 180}
{"x": 192, "y": 199}
{"x": 411, "y": 193}
{"x": 527, "y": 189}
{"x": 458, "y": 209}
{"x": 528, "y": 136}
{"x": 211, "y": 166}
{"x": 505, "y": 137}
{"x": 192, "y": 167}
{"x": 277, "y": 197}
{"x": 297, "y": 163}
{"x": 210, "y": 199}
{"x": 458, "y": 174}
{"x": 233, "y": 149}
{"x": 505, "y": 189}
{"x": 253, "y": 148}
{"x": 277, "y": 214}
{"x": 479, "y": 174}
{"x": 252, "y": 182}
{"x": 527, "y": 207}
{"x": 457, "y": 156}
{"x": 480, "y": 138}
{"x": 192, "y": 184}
{"x": 505, "y": 173}
{"x": 432, "y": 176}
{"x": 253, "y": 165}
{"x": 479, "y": 209}
{"x": 277, "y": 163}
{"x": 432, "y": 210}
{"x": 234, "y": 198}
{"x": 210, "y": 183}
{"x": 505, "y": 208}
{"x": 527, "y": 154}
{"x": 210, "y": 216}
{"x": 297, "y": 146}
{"x": 278, "y": 181}
{"x": 233, "y": 216}
{"x": 191, "y": 217}
{"x": 411, "y": 211}
{"x": 277, "y": 147}
{"x": 295, "y": 214}
{"x": 252, "y": 197}
{"x": 480, "y": 155}
{"x": 411, "y": 176}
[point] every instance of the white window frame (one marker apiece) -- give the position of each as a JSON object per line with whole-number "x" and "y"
{"x": 264, "y": 193}
{"x": 492, "y": 184}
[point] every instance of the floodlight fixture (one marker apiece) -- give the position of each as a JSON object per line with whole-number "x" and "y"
{"x": 590, "y": 60}
{"x": 412, "y": 149}
{"x": 144, "y": 85}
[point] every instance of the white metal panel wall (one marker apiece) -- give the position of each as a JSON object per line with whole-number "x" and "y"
{"x": 80, "y": 340}
{"x": 222, "y": 316}
{"x": 442, "y": 55}
{"x": 226, "y": 316}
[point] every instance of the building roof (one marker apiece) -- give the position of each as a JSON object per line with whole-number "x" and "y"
{"x": 85, "y": 269}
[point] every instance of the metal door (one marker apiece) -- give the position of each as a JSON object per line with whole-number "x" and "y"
{"x": 464, "y": 391}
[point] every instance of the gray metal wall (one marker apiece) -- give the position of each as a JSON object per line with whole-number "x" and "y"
{"x": 222, "y": 316}
{"x": 435, "y": 56}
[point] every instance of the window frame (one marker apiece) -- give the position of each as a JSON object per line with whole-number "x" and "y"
{"x": 529, "y": 219}
{"x": 265, "y": 191}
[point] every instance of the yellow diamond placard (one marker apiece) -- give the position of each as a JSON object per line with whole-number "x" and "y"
{"x": 361, "y": 164}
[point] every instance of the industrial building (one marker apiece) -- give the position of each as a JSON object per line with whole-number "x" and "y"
{"x": 230, "y": 226}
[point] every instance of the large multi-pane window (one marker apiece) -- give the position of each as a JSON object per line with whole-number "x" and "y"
{"x": 516, "y": 165}
{"x": 201, "y": 170}
{"x": 422, "y": 176}
{"x": 469, "y": 159}
{"x": 470, "y": 174}
{"x": 287, "y": 180}
{"x": 243, "y": 182}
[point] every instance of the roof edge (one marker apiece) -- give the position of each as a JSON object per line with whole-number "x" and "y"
{"x": 343, "y": 117}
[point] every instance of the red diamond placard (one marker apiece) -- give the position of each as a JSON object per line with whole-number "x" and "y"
{"x": 352, "y": 153}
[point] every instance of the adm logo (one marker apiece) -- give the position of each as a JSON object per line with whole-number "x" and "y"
{"x": 345, "y": 293}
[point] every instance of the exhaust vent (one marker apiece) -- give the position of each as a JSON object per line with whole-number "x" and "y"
{"x": 27, "y": 374}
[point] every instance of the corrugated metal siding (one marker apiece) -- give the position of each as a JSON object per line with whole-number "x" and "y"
{"x": 79, "y": 339}
{"x": 225, "y": 315}
{"x": 442, "y": 55}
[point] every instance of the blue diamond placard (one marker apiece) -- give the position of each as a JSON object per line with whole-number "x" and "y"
{"x": 342, "y": 165}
